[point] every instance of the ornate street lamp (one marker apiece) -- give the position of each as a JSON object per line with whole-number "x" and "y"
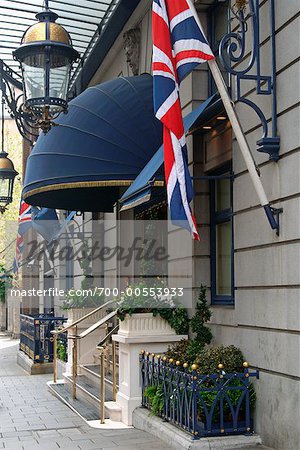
{"x": 46, "y": 56}
{"x": 7, "y": 173}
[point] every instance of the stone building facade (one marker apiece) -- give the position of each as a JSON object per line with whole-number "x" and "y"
{"x": 264, "y": 319}
{"x": 252, "y": 274}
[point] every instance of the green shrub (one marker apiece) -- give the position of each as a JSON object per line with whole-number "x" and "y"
{"x": 178, "y": 351}
{"x": 231, "y": 357}
{"x": 193, "y": 351}
{"x": 234, "y": 396}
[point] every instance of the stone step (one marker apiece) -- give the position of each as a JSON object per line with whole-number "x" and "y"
{"x": 88, "y": 389}
{"x": 85, "y": 409}
{"x": 114, "y": 412}
{"x": 92, "y": 372}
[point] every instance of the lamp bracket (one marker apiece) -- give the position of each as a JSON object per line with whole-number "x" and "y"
{"x": 246, "y": 67}
{"x": 273, "y": 215}
{"x": 10, "y": 82}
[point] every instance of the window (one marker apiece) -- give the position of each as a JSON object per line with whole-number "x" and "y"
{"x": 218, "y": 27}
{"x": 146, "y": 227}
{"x": 222, "y": 268}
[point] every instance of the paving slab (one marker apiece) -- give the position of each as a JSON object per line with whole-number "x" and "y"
{"x": 32, "y": 419}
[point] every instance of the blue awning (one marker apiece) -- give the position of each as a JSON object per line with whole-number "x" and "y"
{"x": 102, "y": 144}
{"x": 140, "y": 191}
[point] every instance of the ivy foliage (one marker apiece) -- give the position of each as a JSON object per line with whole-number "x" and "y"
{"x": 156, "y": 399}
{"x": 61, "y": 351}
{"x": 135, "y": 301}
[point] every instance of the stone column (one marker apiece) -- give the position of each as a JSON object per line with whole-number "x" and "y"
{"x": 140, "y": 331}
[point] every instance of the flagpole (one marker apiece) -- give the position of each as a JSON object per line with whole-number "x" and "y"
{"x": 240, "y": 136}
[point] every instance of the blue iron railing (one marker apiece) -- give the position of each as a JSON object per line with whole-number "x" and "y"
{"x": 35, "y": 336}
{"x": 204, "y": 405}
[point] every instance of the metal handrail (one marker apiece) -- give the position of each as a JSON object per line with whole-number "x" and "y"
{"x": 94, "y": 327}
{"x": 100, "y": 347}
{"x": 76, "y": 322}
{"x": 101, "y": 343}
{"x": 76, "y": 337}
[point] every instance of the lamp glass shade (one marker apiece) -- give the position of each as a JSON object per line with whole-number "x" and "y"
{"x": 4, "y": 189}
{"x": 34, "y": 69}
{"x": 60, "y": 68}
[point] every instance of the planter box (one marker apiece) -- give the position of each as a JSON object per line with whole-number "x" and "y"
{"x": 144, "y": 324}
{"x": 136, "y": 332}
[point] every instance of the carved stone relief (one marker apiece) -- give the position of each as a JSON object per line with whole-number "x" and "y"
{"x": 132, "y": 40}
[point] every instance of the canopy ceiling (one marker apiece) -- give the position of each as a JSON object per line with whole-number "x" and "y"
{"x": 82, "y": 19}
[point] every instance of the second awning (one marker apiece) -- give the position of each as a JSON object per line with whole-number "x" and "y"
{"x": 140, "y": 191}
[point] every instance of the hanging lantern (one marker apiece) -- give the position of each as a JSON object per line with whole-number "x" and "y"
{"x": 7, "y": 170}
{"x": 46, "y": 56}
{"x": 7, "y": 178}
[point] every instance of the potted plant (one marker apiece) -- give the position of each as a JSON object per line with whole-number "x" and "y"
{"x": 147, "y": 310}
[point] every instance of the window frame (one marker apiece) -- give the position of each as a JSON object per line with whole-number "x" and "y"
{"x": 212, "y": 12}
{"x": 217, "y": 218}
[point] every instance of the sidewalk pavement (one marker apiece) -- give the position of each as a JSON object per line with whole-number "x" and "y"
{"x": 31, "y": 418}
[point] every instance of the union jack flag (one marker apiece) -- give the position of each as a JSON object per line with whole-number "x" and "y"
{"x": 24, "y": 224}
{"x": 179, "y": 45}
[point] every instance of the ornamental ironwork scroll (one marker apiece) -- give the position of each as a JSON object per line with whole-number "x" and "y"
{"x": 235, "y": 54}
{"x": 11, "y": 88}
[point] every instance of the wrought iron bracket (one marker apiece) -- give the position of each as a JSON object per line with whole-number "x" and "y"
{"x": 245, "y": 66}
{"x": 12, "y": 91}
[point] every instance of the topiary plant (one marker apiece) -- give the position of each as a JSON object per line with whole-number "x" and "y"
{"x": 231, "y": 357}
{"x": 203, "y": 334}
